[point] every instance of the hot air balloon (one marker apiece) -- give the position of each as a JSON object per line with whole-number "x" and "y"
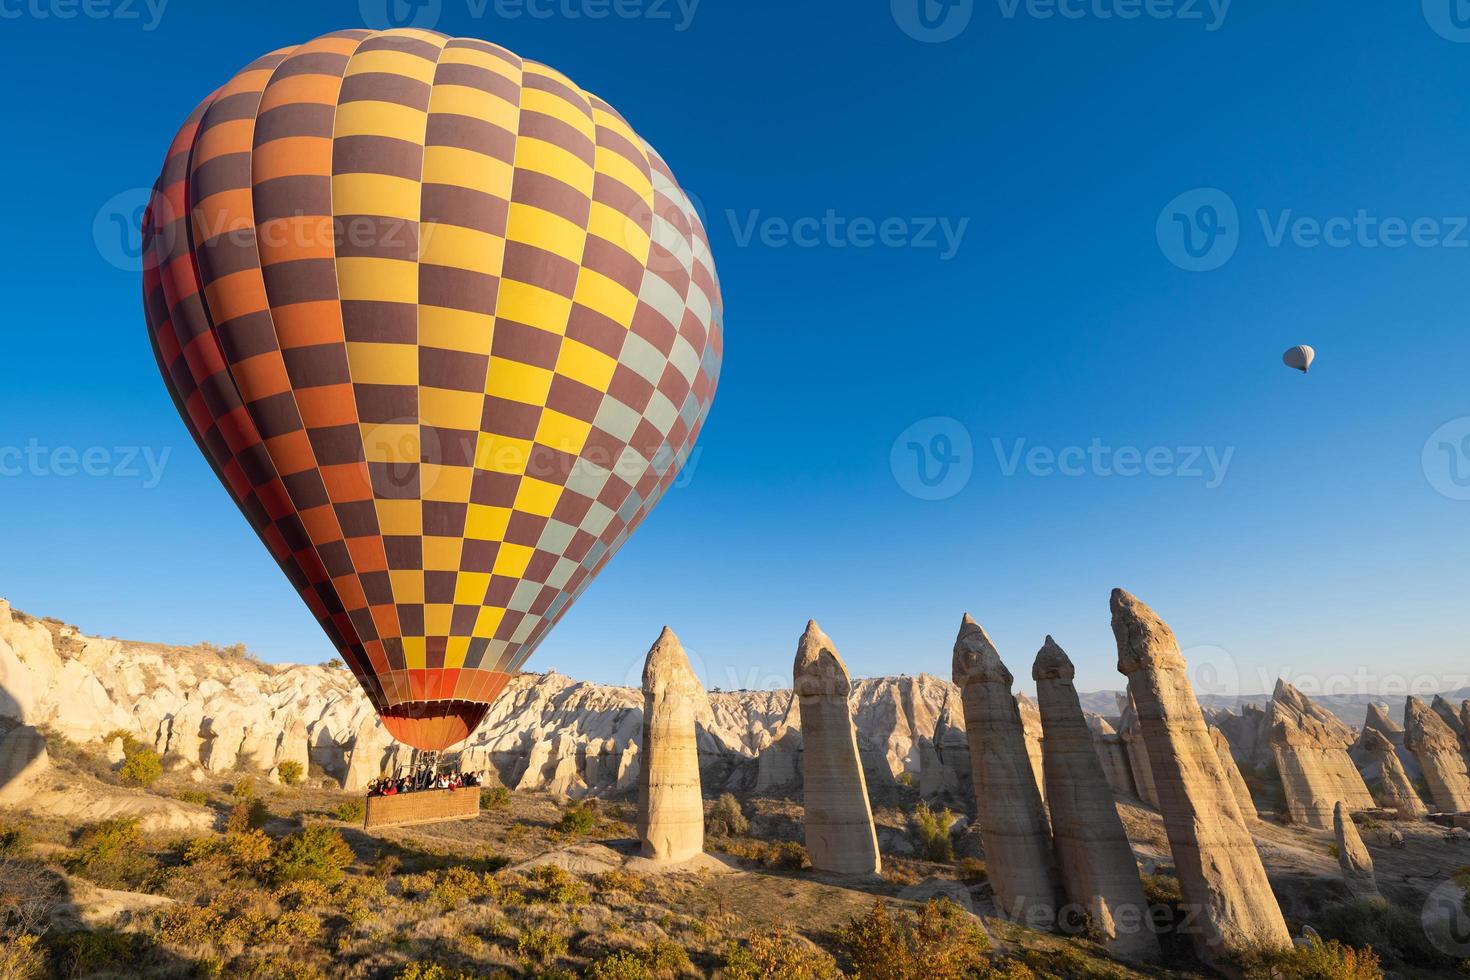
{"x": 1300, "y": 358}
{"x": 446, "y": 329}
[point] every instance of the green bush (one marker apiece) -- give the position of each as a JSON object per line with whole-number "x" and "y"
{"x": 290, "y": 772}
{"x": 351, "y": 811}
{"x": 541, "y": 945}
{"x": 431, "y": 971}
{"x": 196, "y": 796}
{"x": 559, "y": 886}
{"x": 777, "y": 955}
{"x": 662, "y": 959}
{"x": 932, "y": 830}
{"x": 941, "y": 943}
{"x": 141, "y": 767}
{"x": 246, "y": 815}
{"x": 315, "y": 853}
{"x": 726, "y": 819}
{"x": 494, "y": 798}
{"x": 244, "y": 789}
{"x": 578, "y": 821}
{"x": 111, "y": 854}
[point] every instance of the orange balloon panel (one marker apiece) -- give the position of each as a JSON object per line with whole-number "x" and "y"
{"x": 446, "y": 328}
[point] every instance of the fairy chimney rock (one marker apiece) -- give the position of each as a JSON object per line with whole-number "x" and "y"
{"x": 1352, "y": 855}
{"x": 1219, "y": 870}
{"x": 840, "y": 837}
{"x": 670, "y": 807}
{"x": 1094, "y": 859}
{"x": 1437, "y": 749}
{"x": 1009, "y": 811}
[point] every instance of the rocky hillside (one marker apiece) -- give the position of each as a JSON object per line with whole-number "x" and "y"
{"x": 214, "y": 710}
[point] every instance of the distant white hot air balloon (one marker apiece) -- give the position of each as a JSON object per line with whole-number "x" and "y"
{"x": 1300, "y": 358}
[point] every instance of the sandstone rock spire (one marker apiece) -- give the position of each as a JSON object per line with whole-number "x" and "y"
{"x": 1237, "y": 781}
{"x": 1437, "y": 748}
{"x": 1397, "y": 789}
{"x": 670, "y": 805}
{"x": 1094, "y": 858}
{"x": 1310, "y": 747}
{"x": 840, "y": 838}
{"x": 1012, "y": 821}
{"x": 1352, "y": 855}
{"x": 1220, "y": 873}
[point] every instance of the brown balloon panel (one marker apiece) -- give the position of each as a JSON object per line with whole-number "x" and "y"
{"x": 436, "y": 725}
{"x": 446, "y": 328}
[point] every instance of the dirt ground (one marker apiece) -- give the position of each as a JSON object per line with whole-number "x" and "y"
{"x": 524, "y": 890}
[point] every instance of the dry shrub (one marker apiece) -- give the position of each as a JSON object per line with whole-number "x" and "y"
{"x": 494, "y": 798}
{"x": 240, "y": 853}
{"x": 1317, "y": 960}
{"x": 618, "y": 880}
{"x": 290, "y": 772}
{"x": 778, "y": 955}
{"x": 28, "y": 894}
{"x": 246, "y": 814}
{"x": 973, "y": 869}
{"x": 941, "y": 943}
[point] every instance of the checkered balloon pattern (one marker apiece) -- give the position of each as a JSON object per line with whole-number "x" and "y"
{"x": 446, "y": 328}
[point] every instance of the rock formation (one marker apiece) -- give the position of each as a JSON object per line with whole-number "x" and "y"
{"x": 1095, "y": 861}
{"x": 1352, "y": 855}
{"x": 1310, "y": 747}
{"x": 840, "y": 838}
{"x": 1237, "y": 781}
{"x": 365, "y": 761}
{"x": 1220, "y": 873}
{"x": 23, "y": 760}
{"x": 1451, "y": 716}
{"x": 1112, "y": 754}
{"x": 1013, "y": 823}
{"x": 1396, "y": 789}
{"x": 670, "y": 808}
{"x": 1136, "y": 748}
{"x": 1437, "y": 748}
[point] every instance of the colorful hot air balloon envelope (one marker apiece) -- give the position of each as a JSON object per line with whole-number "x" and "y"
{"x": 446, "y": 328}
{"x": 1299, "y": 358}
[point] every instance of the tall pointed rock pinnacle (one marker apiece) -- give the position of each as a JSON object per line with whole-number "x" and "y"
{"x": 1220, "y": 872}
{"x": 840, "y": 836}
{"x": 670, "y": 806}
{"x": 1012, "y": 820}
{"x": 1094, "y": 858}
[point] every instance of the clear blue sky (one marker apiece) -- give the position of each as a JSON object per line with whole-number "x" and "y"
{"x": 1059, "y": 320}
